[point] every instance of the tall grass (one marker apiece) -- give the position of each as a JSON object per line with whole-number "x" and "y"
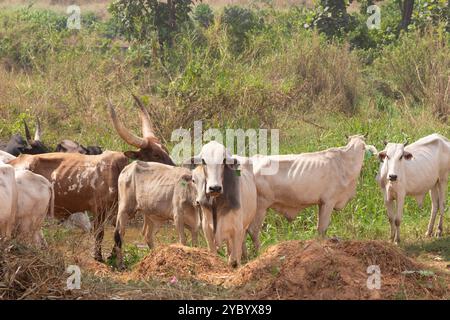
{"x": 314, "y": 90}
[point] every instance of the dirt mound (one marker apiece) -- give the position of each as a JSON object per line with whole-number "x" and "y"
{"x": 181, "y": 262}
{"x": 334, "y": 270}
{"x": 28, "y": 273}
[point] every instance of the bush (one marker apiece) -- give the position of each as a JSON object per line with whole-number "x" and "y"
{"x": 239, "y": 22}
{"x": 204, "y": 15}
{"x": 331, "y": 18}
{"x": 421, "y": 75}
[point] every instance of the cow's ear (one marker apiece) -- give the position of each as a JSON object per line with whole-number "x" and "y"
{"x": 382, "y": 155}
{"x": 233, "y": 163}
{"x": 407, "y": 155}
{"x": 186, "y": 177}
{"x": 133, "y": 155}
{"x": 191, "y": 163}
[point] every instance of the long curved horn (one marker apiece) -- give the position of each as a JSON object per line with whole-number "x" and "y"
{"x": 38, "y": 132}
{"x": 147, "y": 125}
{"x": 27, "y": 132}
{"x": 123, "y": 132}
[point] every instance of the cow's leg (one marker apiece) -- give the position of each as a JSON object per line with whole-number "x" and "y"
{"x": 256, "y": 225}
{"x": 99, "y": 232}
{"x": 434, "y": 194}
{"x": 119, "y": 233}
{"x": 194, "y": 236}
{"x": 208, "y": 230}
{"x": 179, "y": 225}
{"x": 244, "y": 247}
{"x": 325, "y": 210}
{"x": 398, "y": 217}
{"x": 151, "y": 228}
{"x": 235, "y": 256}
{"x": 39, "y": 239}
{"x": 442, "y": 201}
{"x": 390, "y": 208}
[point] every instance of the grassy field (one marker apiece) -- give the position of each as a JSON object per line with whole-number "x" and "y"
{"x": 314, "y": 90}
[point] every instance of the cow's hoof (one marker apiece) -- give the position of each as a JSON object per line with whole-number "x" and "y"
{"x": 428, "y": 233}
{"x": 438, "y": 234}
{"x": 99, "y": 258}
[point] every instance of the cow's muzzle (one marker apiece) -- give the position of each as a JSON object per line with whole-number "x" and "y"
{"x": 214, "y": 191}
{"x": 392, "y": 177}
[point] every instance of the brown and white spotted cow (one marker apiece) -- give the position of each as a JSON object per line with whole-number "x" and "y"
{"x": 89, "y": 183}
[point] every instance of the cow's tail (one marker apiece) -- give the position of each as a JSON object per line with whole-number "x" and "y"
{"x": 51, "y": 205}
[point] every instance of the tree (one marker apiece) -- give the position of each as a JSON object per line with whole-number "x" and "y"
{"x": 139, "y": 19}
{"x": 406, "y": 7}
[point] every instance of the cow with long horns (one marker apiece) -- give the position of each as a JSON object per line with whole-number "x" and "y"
{"x": 89, "y": 183}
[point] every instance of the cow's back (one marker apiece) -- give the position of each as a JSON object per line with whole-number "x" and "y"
{"x": 149, "y": 187}
{"x": 80, "y": 182}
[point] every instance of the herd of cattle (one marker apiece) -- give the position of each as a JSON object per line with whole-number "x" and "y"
{"x": 225, "y": 195}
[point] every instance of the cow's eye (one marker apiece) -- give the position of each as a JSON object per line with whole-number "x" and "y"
{"x": 193, "y": 181}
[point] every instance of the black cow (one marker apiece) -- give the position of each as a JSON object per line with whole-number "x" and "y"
{"x": 71, "y": 146}
{"x": 17, "y": 144}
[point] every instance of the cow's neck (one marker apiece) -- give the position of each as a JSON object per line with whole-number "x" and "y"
{"x": 353, "y": 157}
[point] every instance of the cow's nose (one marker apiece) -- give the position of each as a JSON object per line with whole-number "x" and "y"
{"x": 393, "y": 177}
{"x": 215, "y": 189}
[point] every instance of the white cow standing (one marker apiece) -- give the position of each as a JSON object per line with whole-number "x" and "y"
{"x": 34, "y": 199}
{"x": 290, "y": 183}
{"x": 414, "y": 170}
{"x": 8, "y": 200}
{"x": 226, "y": 193}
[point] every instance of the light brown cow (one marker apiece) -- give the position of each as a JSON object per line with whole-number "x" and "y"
{"x": 89, "y": 183}
{"x": 160, "y": 193}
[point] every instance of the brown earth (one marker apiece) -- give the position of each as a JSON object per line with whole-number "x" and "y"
{"x": 327, "y": 269}
{"x": 336, "y": 270}
{"x": 181, "y": 262}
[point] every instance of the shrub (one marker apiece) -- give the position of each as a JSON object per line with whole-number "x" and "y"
{"x": 421, "y": 75}
{"x": 239, "y": 22}
{"x": 331, "y": 18}
{"x": 204, "y": 15}
{"x": 139, "y": 20}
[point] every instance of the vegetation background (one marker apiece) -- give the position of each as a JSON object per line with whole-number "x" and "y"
{"x": 312, "y": 69}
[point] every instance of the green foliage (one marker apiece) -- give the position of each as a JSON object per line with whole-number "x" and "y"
{"x": 331, "y": 18}
{"x": 140, "y": 20}
{"x": 204, "y": 15}
{"x": 430, "y": 12}
{"x": 238, "y": 22}
{"x": 28, "y": 36}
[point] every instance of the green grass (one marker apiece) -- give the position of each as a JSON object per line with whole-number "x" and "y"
{"x": 286, "y": 74}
